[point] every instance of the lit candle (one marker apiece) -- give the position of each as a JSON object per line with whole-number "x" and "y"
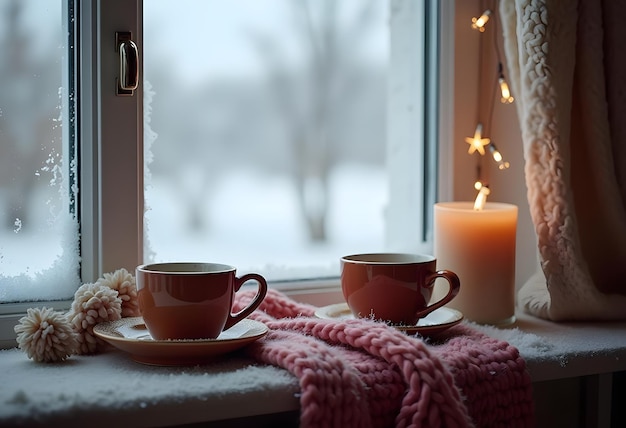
{"x": 479, "y": 246}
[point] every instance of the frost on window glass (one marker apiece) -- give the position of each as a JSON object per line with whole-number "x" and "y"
{"x": 267, "y": 133}
{"x": 38, "y": 230}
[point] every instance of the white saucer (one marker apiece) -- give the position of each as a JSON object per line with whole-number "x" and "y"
{"x": 132, "y": 336}
{"x": 433, "y": 323}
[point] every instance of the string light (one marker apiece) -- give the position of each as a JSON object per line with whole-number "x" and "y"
{"x": 477, "y": 143}
{"x": 506, "y": 97}
{"x": 497, "y": 156}
{"x": 479, "y": 23}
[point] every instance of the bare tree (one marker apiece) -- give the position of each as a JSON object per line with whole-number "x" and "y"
{"x": 316, "y": 104}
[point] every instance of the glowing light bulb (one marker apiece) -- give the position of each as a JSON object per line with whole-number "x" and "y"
{"x": 505, "y": 92}
{"x": 506, "y": 97}
{"x": 477, "y": 143}
{"x": 497, "y": 156}
{"x": 479, "y": 23}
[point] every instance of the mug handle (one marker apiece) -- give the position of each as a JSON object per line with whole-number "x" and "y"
{"x": 453, "y": 282}
{"x": 260, "y": 295}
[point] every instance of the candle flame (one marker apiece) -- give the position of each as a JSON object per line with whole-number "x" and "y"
{"x": 481, "y": 198}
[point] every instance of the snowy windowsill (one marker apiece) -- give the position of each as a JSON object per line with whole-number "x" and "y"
{"x": 110, "y": 389}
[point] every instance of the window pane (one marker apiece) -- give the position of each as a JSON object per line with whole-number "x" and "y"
{"x": 38, "y": 233}
{"x": 267, "y": 132}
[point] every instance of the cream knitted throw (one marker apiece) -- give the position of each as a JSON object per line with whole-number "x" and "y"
{"x": 567, "y": 66}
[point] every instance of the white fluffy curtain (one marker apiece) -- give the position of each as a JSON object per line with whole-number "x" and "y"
{"x": 567, "y": 65}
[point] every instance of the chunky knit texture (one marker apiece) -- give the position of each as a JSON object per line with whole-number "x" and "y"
{"x": 566, "y": 62}
{"x": 361, "y": 373}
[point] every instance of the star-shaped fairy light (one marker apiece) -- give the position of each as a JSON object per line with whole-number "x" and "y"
{"x": 477, "y": 143}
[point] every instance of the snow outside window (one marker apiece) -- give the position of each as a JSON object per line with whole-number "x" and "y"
{"x": 38, "y": 223}
{"x": 269, "y": 132}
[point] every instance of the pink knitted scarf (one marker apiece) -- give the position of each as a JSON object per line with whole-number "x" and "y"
{"x": 361, "y": 373}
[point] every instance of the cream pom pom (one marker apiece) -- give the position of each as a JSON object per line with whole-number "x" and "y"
{"x": 122, "y": 281}
{"x": 46, "y": 336}
{"x": 93, "y": 303}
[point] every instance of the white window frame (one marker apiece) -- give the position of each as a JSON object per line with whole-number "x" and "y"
{"x": 413, "y": 130}
{"x": 110, "y": 131}
{"x": 111, "y": 135}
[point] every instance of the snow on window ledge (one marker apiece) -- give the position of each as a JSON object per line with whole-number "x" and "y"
{"x": 131, "y": 394}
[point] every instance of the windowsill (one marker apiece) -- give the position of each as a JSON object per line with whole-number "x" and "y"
{"x": 566, "y": 350}
{"x": 111, "y": 389}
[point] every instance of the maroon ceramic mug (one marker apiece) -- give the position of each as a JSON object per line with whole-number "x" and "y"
{"x": 192, "y": 300}
{"x": 393, "y": 287}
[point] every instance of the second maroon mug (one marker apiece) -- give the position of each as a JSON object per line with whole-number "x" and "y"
{"x": 393, "y": 287}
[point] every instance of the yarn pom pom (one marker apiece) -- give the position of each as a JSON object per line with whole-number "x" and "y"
{"x": 122, "y": 281}
{"x": 93, "y": 303}
{"x": 46, "y": 336}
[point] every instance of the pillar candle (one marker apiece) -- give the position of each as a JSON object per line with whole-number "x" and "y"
{"x": 479, "y": 246}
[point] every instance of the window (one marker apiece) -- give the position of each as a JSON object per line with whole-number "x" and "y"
{"x": 38, "y": 226}
{"x": 389, "y": 199}
{"x": 268, "y": 133}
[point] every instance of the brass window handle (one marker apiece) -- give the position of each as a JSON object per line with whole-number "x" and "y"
{"x": 128, "y": 79}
